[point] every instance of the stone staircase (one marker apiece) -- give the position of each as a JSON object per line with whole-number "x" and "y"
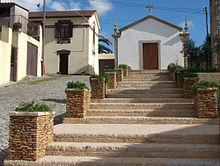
{"x": 145, "y": 121}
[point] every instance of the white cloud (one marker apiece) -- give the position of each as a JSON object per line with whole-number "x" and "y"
{"x": 101, "y": 6}
{"x": 30, "y": 5}
{"x": 190, "y": 24}
{"x": 75, "y": 5}
{"x": 59, "y": 6}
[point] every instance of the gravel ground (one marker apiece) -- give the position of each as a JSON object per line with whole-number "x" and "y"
{"x": 50, "y": 92}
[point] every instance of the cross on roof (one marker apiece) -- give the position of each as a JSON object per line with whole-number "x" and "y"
{"x": 150, "y": 7}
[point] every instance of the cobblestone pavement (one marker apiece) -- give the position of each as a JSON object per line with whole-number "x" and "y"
{"x": 50, "y": 92}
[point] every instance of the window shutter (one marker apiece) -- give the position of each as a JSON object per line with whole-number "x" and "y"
{"x": 70, "y": 30}
{"x": 57, "y": 30}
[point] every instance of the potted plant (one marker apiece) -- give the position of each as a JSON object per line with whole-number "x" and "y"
{"x": 206, "y": 101}
{"x": 17, "y": 26}
{"x": 98, "y": 86}
{"x": 30, "y": 131}
{"x": 77, "y": 99}
{"x": 112, "y": 76}
{"x": 125, "y": 69}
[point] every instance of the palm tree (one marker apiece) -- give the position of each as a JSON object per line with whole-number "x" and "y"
{"x": 102, "y": 48}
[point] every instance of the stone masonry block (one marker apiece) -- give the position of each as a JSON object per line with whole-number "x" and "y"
{"x": 98, "y": 88}
{"x": 112, "y": 83}
{"x": 187, "y": 87}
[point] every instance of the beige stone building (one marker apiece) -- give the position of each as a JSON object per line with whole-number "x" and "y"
{"x": 71, "y": 41}
{"x": 20, "y": 47}
{"x": 215, "y": 28}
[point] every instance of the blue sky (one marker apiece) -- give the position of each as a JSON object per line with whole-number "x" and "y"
{"x": 128, "y": 11}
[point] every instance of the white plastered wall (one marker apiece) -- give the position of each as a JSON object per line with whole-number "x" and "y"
{"x": 131, "y": 40}
{"x": 20, "y": 41}
{"x": 5, "y": 55}
{"x": 93, "y": 52}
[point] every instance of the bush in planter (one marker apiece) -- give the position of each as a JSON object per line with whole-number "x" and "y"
{"x": 32, "y": 107}
{"x": 188, "y": 75}
{"x": 206, "y": 102}
{"x": 17, "y": 26}
{"x": 100, "y": 78}
{"x": 123, "y": 66}
{"x": 77, "y": 85}
{"x": 111, "y": 70}
{"x": 31, "y": 130}
{"x": 205, "y": 85}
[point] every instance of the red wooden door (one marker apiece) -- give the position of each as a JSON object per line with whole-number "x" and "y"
{"x": 32, "y": 59}
{"x": 150, "y": 56}
{"x": 106, "y": 64}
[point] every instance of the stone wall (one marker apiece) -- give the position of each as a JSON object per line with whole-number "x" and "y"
{"x": 206, "y": 103}
{"x": 209, "y": 77}
{"x": 98, "y": 88}
{"x": 112, "y": 83}
{"x": 187, "y": 87}
{"x": 29, "y": 135}
{"x": 120, "y": 74}
{"x": 77, "y": 103}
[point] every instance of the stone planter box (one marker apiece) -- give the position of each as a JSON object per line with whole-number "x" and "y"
{"x": 120, "y": 74}
{"x": 77, "y": 103}
{"x": 178, "y": 80}
{"x": 29, "y": 134}
{"x": 187, "y": 87}
{"x": 98, "y": 88}
{"x": 125, "y": 72}
{"x": 174, "y": 76}
{"x": 171, "y": 74}
{"x": 112, "y": 83}
{"x": 206, "y": 103}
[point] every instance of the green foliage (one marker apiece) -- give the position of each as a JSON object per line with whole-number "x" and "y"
{"x": 100, "y": 78}
{"x": 111, "y": 70}
{"x": 32, "y": 107}
{"x": 123, "y": 66}
{"x": 102, "y": 48}
{"x": 173, "y": 67}
{"x": 77, "y": 85}
{"x": 205, "y": 85}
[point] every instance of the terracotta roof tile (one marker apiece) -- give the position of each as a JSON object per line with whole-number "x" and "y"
{"x": 61, "y": 14}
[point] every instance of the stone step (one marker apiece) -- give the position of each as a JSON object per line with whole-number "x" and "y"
{"x": 149, "y": 74}
{"x": 127, "y": 95}
{"x": 148, "y": 85}
{"x": 143, "y": 112}
{"x": 146, "y": 82}
{"x": 137, "y": 133}
{"x": 150, "y": 71}
{"x": 152, "y": 150}
{"x": 143, "y": 100}
{"x": 138, "y": 120}
{"x": 113, "y": 161}
{"x": 156, "y": 106}
{"x": 155, "y": 78}
{"x": 146, "y": 91}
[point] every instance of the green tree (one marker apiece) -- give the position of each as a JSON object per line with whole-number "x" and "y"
{"x": 103, "y": 49}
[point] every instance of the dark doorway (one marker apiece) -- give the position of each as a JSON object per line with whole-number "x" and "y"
{"x": 64, "y": 63}
{"x": 106, "y": 64}
{"x": 150, "y": 56}
{"x": 32, "y": 59}
{"x": 14, "y": 55}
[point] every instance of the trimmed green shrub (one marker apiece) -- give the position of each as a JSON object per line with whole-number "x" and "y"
{"x": 124, "y": 66}
{"x": 173, "y": 67}
{"x": 77, "y": 85}
{"x": 32, "y": 107}
{"x": 205, "y": 85}
{"x": 100, "y": 78}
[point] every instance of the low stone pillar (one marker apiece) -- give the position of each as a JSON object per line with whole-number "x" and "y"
{"x": 206, "y": 103}
{"x": 29, "y": 134}
{"x": 77, "y": 103}
{"x": 178, "y": 80}
{"x": 187, "y": 87}
{"x": 112, "y": 83}
{"x": 120, "y": 74}
{"x": 98, "y": 88}
{"x": 126, "y": 72}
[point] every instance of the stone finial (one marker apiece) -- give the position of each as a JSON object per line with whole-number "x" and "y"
{"x": 116, "y": 27}
{"x": 186, "y": 24}
{"x": 149, "y": 7}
